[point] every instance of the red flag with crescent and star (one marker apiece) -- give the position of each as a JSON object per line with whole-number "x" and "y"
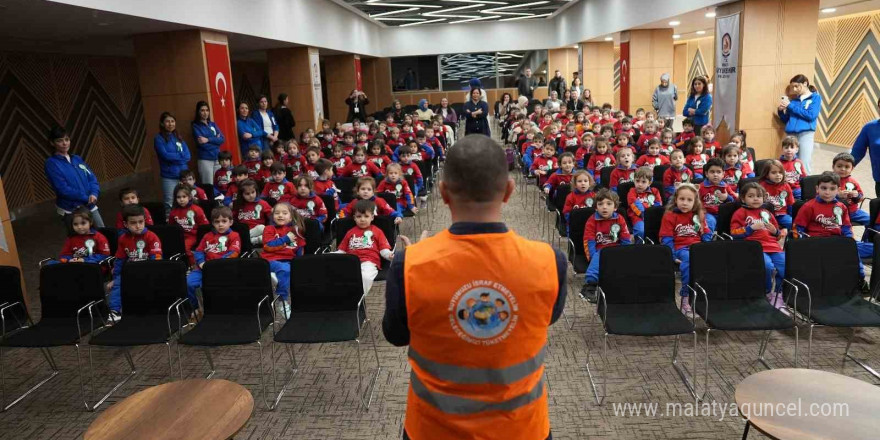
{"x": 624, "y": 77}
{"x": 222, "y": 98}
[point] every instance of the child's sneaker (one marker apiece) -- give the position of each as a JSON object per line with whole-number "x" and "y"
{"x": 285, "y": 309}
{"x": 686, "y": 306}
{"x": 589, "y": 293}
{"x": 113, "y": 317}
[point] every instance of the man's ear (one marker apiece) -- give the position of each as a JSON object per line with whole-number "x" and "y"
{"x": 508, "y": 190}
{"x": 444, "y": 191}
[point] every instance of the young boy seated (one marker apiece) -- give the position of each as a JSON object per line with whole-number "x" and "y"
{"x": 641, "y": 197}
{"x": 187, "y": 177}
{"x": 223, "y": 176}
{"x": 324, "y": 182}
{"x": 605, "y": 228}
{"x": 220, "y": 242}
{"x": 850, "y": 191}
{"x": 278, "y": 189}
{"x": 676, "y": 174}
{"x": 367, "y": 242}
{"x": 546, "y": 163}
{"x": 135, "y": 244}
{"x": 239, "y": 174}
{"x": 252, "y": 161}
{"x": 687, "y": 132}
{"x": 714, "y": 191}
{"x": 129, "y": 196}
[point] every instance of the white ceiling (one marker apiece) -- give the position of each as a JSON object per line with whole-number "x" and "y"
{"x": 418, "y": 12}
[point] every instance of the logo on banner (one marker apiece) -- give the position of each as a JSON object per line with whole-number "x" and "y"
{"x": 220, "y": 77}
{"x": 725, "y": 45}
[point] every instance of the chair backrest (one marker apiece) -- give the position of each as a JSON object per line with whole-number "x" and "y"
{"x": 325, "y": 282}
{"x": 828, "y": 265}
{"x": 752, "y": 152}
{"x": 623, "y": 192}
{"x": 659, "y": 170}
{"x": 795, "y": 208}
{"x": 207, "y": 206}
{"x": 10, "y": 285}
{"x": 562, "y": 191}
{"x": 312, "y": 235}
{"x": 760, "y": 165}
{"x": 653, "y": 219}
{"x": 743, "y": 182}
{"x": 875, "y": 262}
{"x": 235, "y": 286}
{"x": 728, "y": 269}
{"x": 65, "y": 288}
{"x": 244, "y": 233}
{"x": 345, "y": 185}
{"x": 808, "y": 187}
{"x": 112, "y": 235}
{"x": 209, "y": 191}
{"x": 389, "y": 198}
{"x": 604, "y": 177}
{"x": 873, "y": 212}
{"x": 151, "y": 287}
{"x": 157, "y": 211}
{"x": 725, "y": 215}
{"x": 330, "y": 204}
{"x": 171, "y": 237}
{"x": 637, "y": 274}
{"x": 577, "y": 222}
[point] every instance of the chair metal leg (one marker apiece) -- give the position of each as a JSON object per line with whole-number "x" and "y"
{"x": 210, "y": 363}
{"x": 276, "y": 397}
{"x": 746, "y": 430}
{"x": 49, "y": 360}
{"x": 763, "y": 348}
{"x": 858, "y": 361}
{"x": 132, "y": 373}
{"x": 366, "y": 396}
{"x": 682, "y": 372}
{"x": 810, "y": 346}
{"x": 600, "y": 399}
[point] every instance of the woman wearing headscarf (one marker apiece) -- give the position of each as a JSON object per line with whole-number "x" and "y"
{"x": 476, "y": 84}
{"x": 476, "y": 110}
{"x": 425, "y": 114}
{"x": 664, "y": 99}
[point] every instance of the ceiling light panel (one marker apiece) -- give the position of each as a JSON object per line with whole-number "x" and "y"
{"x": 419, "y": 12}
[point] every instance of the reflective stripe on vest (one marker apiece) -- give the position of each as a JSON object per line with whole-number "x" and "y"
{"x": 459, "y": 405}
{"x": 471, "y": 376}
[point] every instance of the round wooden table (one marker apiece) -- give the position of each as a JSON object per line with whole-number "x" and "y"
{"x": 797, "y": 403}
{"x": 185, "y": 409}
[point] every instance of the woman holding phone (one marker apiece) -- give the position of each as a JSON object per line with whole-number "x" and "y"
{"x": 800, "y": 113}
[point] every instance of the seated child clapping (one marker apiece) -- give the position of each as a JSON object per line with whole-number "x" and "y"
{"x": 252, "y": 211}
{"x": 641, "y": 197}
{"x": 684, "y": 224}
{"x": 605, "y": 228}
{"x": 753, "y": 222}
{"x": 283, "y": 241}
{"x": 86, "y": 245}
{"x": 135, "y": 244}
{"x": 393, "y": 183}
{"x": 367, "y": 242}
{"x": 220, "y": 242}
{"x": 188, "y": 216}
{"x": 364, "y": 189}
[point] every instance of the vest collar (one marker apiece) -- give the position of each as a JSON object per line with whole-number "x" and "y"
{"x": 470, "y": 228}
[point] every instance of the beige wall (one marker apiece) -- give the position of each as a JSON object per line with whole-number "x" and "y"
{"x": 341, "y": 78}
{"x": 599, "y": 70}
{"x": 376, "y": 74}
{"x": 289, "y": 72}
{"x": 650, "y": 55}
{"x": 691, "y": 58}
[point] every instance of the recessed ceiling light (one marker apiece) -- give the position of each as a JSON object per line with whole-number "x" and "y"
{"x": 674, "y": 23}
{"x": 829, "y": 10}
{"x": 701, "y": 32}
{"x": 710, "y": 15}
{"x": 676, "y": 36}
{"x": 609, "y": 38}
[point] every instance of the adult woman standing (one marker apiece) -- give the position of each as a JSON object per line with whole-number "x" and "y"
{"x": 502, "y": 107}
{"x": 576, "y": 85}
{"x": 209, "y": 139}
{"x": 588, "y": 99}
{"x": 397, "y": 111}
{"x": 664, "y": 99}
{"x": 357, "y": 102}
{"x": 424, "y": 112}
{"x": 475, "y": 83}
{"x": 698, "y": 104}
{"x": 173, "y": 154}
{"x": 475, "y": 111}
{"x": 265, "y": 118}
{"x": 248, "y": 131}
{"x": 448, "y": 113}
{"x": 71, "y": 178}
{"x": 800, "y": 115}
{"x": 284, "y": 117}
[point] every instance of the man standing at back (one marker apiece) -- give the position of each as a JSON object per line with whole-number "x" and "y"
{"x": 474, "y": 303}
{"x": 526, "y": 84}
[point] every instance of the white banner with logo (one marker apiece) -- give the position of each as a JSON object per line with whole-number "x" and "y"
{"x": 726, "y": 71}
{"x": 317, "y": 99}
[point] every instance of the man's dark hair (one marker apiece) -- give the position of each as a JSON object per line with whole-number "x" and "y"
{"x": 132, "y": 210}
{"x": 476, "y": 169}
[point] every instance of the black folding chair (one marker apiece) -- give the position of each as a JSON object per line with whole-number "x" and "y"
{"x": 345, "y": 185}
{"x": 742, "y": 182}
{"x": 171, "y": 237}
{"x": 637, "y": 298}
{"x": 725, "y": 215}
{"x": 112, "y": 236}
{"x": 623, "y": 192}
{"x": 69, "y": 296}
{"x": 208, "y": 206}
{"x": 871, "y": 227}
{"x": 562, "y": 192}
{"x": 328, "y": 304}
{"x": 209, "y": 192}
{"x": 389, "y": 198}
{"x": 385, "y": 223}
{"x": 577, "y": 255}
{"x": 653, "y": 221}
{"x": 157, "y": 211}
{"x": 605, "y": 176}
{"x": 11, "y": 295}
{"x": 808, "y": 187}
{"x": 312, "y": 236}
{"x": 823, "y": 272}
{"x": 151, "y": 293}
{"x": 238, "y": 308}
{"x": 659, "y": 171}
{"x": 730, "y": 276}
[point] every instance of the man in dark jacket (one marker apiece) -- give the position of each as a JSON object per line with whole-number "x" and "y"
{"x": 526, "y": 84}
{"x": 558, "y": 84}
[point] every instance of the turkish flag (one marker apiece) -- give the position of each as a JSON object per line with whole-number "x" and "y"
{"x": 624, "y": 76}
{"x": 222, "y": 101}
{"x": 359, "y": 83}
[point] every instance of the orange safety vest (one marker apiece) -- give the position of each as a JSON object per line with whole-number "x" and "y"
{"x": 478, "y": 307}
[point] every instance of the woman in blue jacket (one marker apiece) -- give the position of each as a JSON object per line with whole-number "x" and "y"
{"x": 72, "y": 180}
{"x": 800, "y": 114}
{"x": 265, "y": 119}
{"x": 173, "y": 154}
{"x": 209, "y": 139}
{"x": 249, "y": 132}
{"x": 698, "y": 104}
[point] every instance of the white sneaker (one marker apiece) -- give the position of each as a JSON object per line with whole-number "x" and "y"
{"x": 113, "y": 318}
{"x": 285, "y": 309}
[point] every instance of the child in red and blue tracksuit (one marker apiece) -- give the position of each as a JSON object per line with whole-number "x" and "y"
{"x": 306, "y": 202}
{"x": 86, "y": 244}
{"x": 399, "y": 187}
{"x": 713, "y": 191}
{"x": 562, "y": 176}
{"x": 779, "y": 193}
{"x": 684, "y": 224}
{"x": 581, "y": 195}
{"x": 850, "y": 191}
{"x": 283, "y": 241}
{"x": 753, "y": 222}
{"x": 794, "y": 168}
{"x": 135, "y": 244}
{"x": 676, "y": 174}
{"x": 220, "y": 242}
{"x": 641, "y": 197}
{"x": 188, "y": 216}
{"x": 605, "y": 228}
